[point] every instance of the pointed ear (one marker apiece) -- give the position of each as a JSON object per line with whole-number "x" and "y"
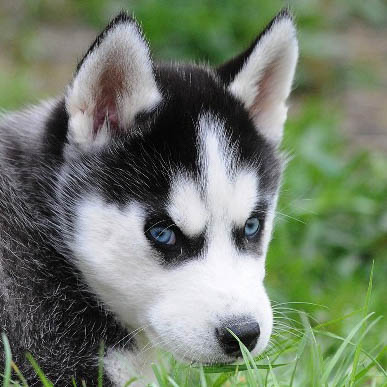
{"x": 113, "y": 82}
{"x": 262, "y": 76}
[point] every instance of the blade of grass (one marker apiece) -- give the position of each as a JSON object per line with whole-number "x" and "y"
{"x": 19, "y": 374}
{"x": 278, "y": 348}
{"x": 329, "y": 367}
{"x": 365, "y": 312}
{"x": 294, "y": 372}
{"x": 187, "y": 377}
{"x": 250, "y": 374}
{"x": 172, "y": 382}
{"x": 8, "y": 359}
{"x": 231, "y": 368}
{"x": 316, "y": 359}
{"x": 337, "y": 320}
{"x": 237, "y": 369}
{"x": 275, "y": 381}
{"x": 221, "y": 380}
{"x": 39, "y": 372}
{"x": 300, "y": 351}
{"x": 334, "y": 336}
{"x": 341, "y": 369}
{"x": 373, "y": 363}
{"x": 155, "y": 369}
{"x": 203, "y": 381}
{"x": 246, "y": 358}
{"x": 253, "y": 363}
{"x": 130, "y": 381}
{"x": 274, "y": 356}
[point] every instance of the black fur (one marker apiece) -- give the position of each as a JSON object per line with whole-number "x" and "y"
{"x": 51, "y": 314}
{"x": 47, "y": 308}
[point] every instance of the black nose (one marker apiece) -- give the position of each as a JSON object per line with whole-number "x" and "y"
{"x": 247, "y": 331}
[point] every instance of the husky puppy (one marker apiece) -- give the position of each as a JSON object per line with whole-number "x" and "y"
{"x": 137, "y": 208}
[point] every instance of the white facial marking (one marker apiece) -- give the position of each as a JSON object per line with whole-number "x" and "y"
{"x": 115, "y": 256}
{"x": 228, "y": 194}
{"x": 231, "y": 192}
{"x": 245, "y": 196}
{"x": 186, "y": 207}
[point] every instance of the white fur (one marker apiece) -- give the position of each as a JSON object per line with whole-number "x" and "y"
{"x": 272, "y": 63}
{"x": 123, "y": 365}
{"x": 231, "y": 195}
{"x": 27, "y": 124}
{"x": 116, "y": 258}
{"x": 186, "y": 206}
{"x": 178, "y": 308}
{"x": 122, "y": 51}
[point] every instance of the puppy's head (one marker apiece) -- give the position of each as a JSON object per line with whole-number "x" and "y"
{"x": 169, "y": 187}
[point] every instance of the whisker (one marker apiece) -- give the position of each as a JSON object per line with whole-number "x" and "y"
{"x": 130, "y": 335}
{"x": 290, "y": 217}
{"x": 282, "y": 316}
{"x": 299, "y": 302}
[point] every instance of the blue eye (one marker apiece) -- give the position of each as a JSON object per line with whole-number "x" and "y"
{"x": 163, "y": 235}
{"x": 252, "y": 226}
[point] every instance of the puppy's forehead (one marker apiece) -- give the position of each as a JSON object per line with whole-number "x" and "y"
{"x": 187, "y": 207}
{"x": 224, "y": 190}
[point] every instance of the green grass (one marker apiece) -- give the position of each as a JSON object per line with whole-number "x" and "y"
{"x": 300, "y": 355}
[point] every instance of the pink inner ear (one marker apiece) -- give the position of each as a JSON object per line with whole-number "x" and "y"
{"x": 106, "y": 113}
{"x": 266, "y": 88}
{"x": 111, "y": 83}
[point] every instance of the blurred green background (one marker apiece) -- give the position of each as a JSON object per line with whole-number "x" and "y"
{"x": 332, "y": 217}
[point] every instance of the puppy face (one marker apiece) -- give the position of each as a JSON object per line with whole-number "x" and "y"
{"x": 168, "y": 192}
{"x": 187, "y": 263}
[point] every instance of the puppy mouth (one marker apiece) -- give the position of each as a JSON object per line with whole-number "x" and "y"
{"x": 216, "y": 359}
{"x": 192, "y": 357}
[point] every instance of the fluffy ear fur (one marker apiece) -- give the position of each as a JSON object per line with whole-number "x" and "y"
{"x": 113, "y": 82}
{"x": 262, "y": 76}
